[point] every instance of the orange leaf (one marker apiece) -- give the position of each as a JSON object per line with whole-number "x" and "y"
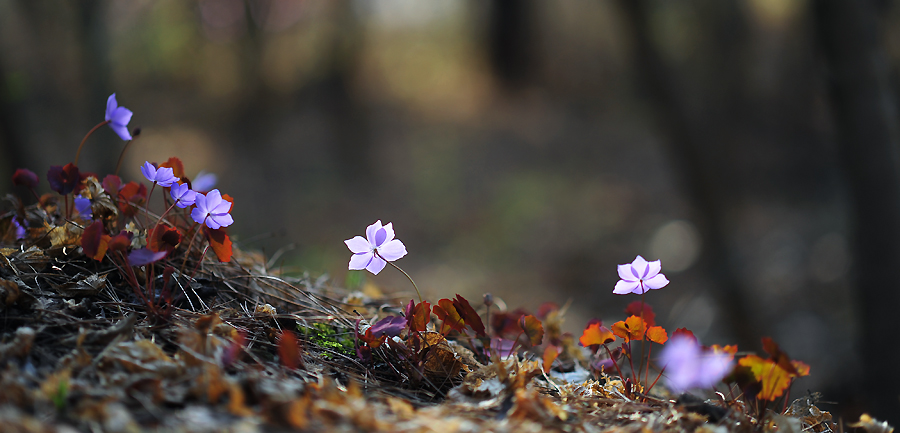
{"x": 774, "y": 379}
{"x": 595, "y": 333}
{"x": 132, "y": 193}
{"x": 801, "y": 367}
{"x": 657, "y": 334}
{"x": 288, "y": 350}
{"x": 634, "y": 309}
{"x": 220, "y": 243}
{"x": 446, "y": 311}
{"x": 550, "y": 355}
{"x": 228, "y": 198}
{"x": 533, "y": 329}
{"x": 163, "y": 238}
{"x": 176, "y": 166}
{"x": 631, "y": 329}
{"x": 730, "y": 350}
{"x": 778, "y": 355}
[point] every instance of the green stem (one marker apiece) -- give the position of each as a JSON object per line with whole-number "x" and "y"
{"x": 404, "y": 273}
{"x": 78, "y": 154}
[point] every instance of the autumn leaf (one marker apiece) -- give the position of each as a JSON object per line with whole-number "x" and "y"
{"x": 778, "y": 356}
{"x": 418, "y": 315}
{"x": 289, "y": 350}
{"x": 631, "y": 329}
{"x": 446, "y": 311}
{"x": 176, "y": 166}
{"x": 634, "y": 309}
{"x": 550, "y": 355}
{"x": 533, "y": 329}
{"x": 596, "y": 334}
{"x": 730, "y": 349}
{"x": 469, "y": 315}
{"x": 220, "y": 243}
{"x": 163, "y": 238}
{"x": 773, "y": 378}
{"x": 131, "y": 195}
{"x": 93, "y": 242}
{"x": 657, "y": 334}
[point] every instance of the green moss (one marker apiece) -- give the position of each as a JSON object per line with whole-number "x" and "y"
{"x": 330, "y": 339}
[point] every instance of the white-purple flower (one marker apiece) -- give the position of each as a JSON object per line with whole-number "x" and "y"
{"x": 118, "y": 117}
{"x": 163, "y": 176}
{"x": 182, "y": 195}
{"x": 640, "y": 276}
{"x": 378, "y": 239}
{"x": 687, "y": 366}
{"x": 212, "y": 210}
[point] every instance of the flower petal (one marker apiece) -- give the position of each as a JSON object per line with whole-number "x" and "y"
{"x": 657, "y": 282}
{"x": 213, "y": 198}
{"x": 653, "y": 268}
{"x": 625, "y": 287}
{"x": 640, "y": 266}
{"x": 111, "y": 105}
{"x": 358, "y": 245}
{"x": 149, "y": 171}
{"x": 376, "y": 265}
{"x": 211, "y": 222}
{"x": 224, "y": 220}
{"x": 625, "y": 273}
{"x": 389, "y": 230}
{"x": 360, "y": 261}
{"x": 392, "y": 250}
{"x": 370, "y": 232}
{"x": 121, "y": 116}
{"x": 121, "y": 130}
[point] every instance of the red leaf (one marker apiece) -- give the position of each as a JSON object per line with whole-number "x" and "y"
{"x": 533, "y": 329}
{"x": 446, "y": 311}
{"x": 131, "y": 195}
{"x": 112, "y": 184}
{"x": 545, "y": 309}
{"x": 176, "y": 166}
{"x": 469, "y": 315}
{"x": 93, "y": 242}
{"x": 634, "y": 309}
{"x": 120, "y": 242}
{"x": 25, "y": 177}
{"x": 163, "y": 238}
{"x": 228, "y": 198}
{"x": 220, "y": 243}
{"x": 289, "y": 350}
{"x": 421, "y": 315}
{"x": 63, "y": 179}
{"x": 685, "y": 333}
{"x": 506, "y": 323}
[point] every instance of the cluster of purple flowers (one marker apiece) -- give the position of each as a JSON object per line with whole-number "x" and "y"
{"x": 210, "y": 209}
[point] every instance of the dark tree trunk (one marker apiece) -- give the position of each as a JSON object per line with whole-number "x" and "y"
{"x": 510, "y": 41}
{"x": 866, "y": 114}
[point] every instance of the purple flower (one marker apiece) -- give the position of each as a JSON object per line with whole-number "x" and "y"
{"x": 204, "y": 181}
{"x": 164, "y": 176}
{"x": 391, "y": 326}
{"x": 640, "y": 276}
{"x": 182, "y": 195}
{"x": 212, "y": 210}
{"x": 687, "y": 366}
{"x": 118, "y": 117}
{"x": 21, "y": 231}
{"x": 83, "y": 206}
{"x": 144, "y": 256}
{"x": 378, "y": 239}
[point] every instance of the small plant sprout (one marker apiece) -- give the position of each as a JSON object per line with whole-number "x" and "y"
{"x": 687, "y": 366}
{"x": 212, "y": 210}
{"x": 639, "y": 277}
{"x": 376, "y": 250}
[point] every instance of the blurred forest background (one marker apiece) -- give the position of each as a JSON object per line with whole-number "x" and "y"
{"x": 520, "y": 148}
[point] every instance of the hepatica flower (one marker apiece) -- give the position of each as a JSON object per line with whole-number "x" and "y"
{"x": 164, "y": 176}
{"x": 688, "y": 366}
{"x": 118, "y": 117}
{"x": 212, "y": 210}
{"x": 378, "y": 239}
{"x": 83, "y": 206}
{"x": 182, "y": 195}
{"x": 640, "y": 276}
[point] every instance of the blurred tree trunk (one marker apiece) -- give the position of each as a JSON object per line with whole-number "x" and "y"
{"x": 12, "y": 123}
{"x": 510, "y": 41}
{"x": 866, "y": 114}
{"x": 696, "y": 159}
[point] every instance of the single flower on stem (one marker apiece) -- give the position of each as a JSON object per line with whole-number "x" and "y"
{"x": 639, "y": 277}
{"x": 118, "y": 117}
{"x": 162, "y": 176}
{"x": 372, "y": 252}
{"x": 212, "y": 210}
{"x": 183, "y": 195}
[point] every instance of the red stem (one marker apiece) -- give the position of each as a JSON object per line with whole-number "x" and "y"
{"x": 78, "y": 154}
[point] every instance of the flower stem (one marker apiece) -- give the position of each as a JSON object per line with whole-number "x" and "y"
{"x": 78, "y": 154}
{"x": 404, "y": 273}
{"x": 122, "y": 155}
